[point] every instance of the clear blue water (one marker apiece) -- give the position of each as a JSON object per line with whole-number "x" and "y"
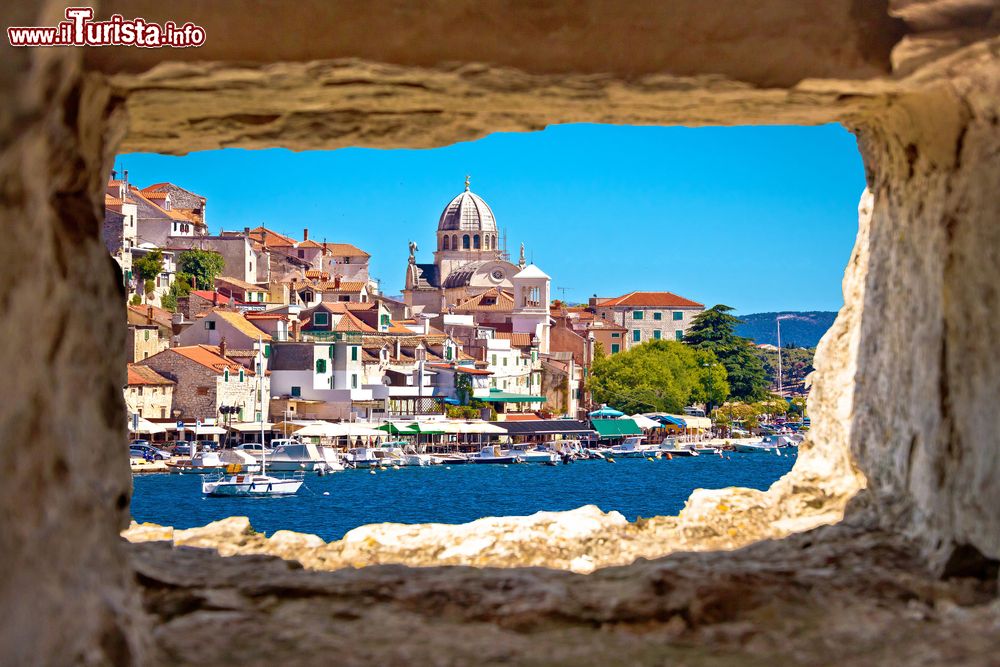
{"x": 634, "y": 487}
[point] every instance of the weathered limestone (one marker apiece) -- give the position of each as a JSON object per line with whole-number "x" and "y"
{"x": 907, "y": 379}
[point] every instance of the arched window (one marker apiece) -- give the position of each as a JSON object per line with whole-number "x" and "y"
{"x": 486, "y": 242}
{"x": 475, "y": 242}
{"x": 444, "y": 245}
{"x": 465, "y": 242}
{"x": 454, "y": 241}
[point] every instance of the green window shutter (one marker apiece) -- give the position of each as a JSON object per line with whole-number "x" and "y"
{"x": 636, "y": 335}
{"x": 616, "y": 335}
{"x": 241, "y": 375}
{"x": 447, "y": 353}
{"x": 657, "y": 316}
{"x": 678, "y": 315}
{"x": 296, "y": 391}
{"x": 225, "y": 375}
{"x": 354, "y": 381}
{"x": 637, "y": 315}
{"x": 321, "y": 365}
{"x": 679, "y": 335}
{"x": 494, "y": 362}
{"x": 354, "y": 353}
{"x": 267, "y": 353}
{"x": 333, "y": 349}
{"x": 147, "y": 334}
{"x": 615, "y": 347}
{"x": 656, "y": 334}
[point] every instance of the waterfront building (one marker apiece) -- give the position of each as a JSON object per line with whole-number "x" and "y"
{"x": 647, "y": 316}
{"x": 207, "y": 377}
{"x": 246, "y": 296}
{"x": 468, "y": 259}
{"x": 147, "y": 393}
{"x": 215, "y": 326}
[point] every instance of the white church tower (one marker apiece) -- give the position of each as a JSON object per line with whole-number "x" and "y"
{"x": 531, "y": 305}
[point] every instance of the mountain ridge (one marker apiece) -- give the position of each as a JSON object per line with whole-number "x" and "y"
{"x": 802, "y": 328}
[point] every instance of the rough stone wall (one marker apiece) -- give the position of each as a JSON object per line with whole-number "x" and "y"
{"x": 908, "y": 378}
{"x": 66, "y": 591}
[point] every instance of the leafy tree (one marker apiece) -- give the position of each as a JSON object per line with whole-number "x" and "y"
{"x": 714, "y": 330}
{"x": 796, "y": 364}
{"x": 136, "y": 300}
{"x": 204, "y": 265}
{"x": 148, "y": 266}
{"x": 599, "y": 352}
{"x": 181, "y": 287}
{"x": 658, "y": 376}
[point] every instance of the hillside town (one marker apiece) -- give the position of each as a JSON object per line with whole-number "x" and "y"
{"x": 297, "y": 328}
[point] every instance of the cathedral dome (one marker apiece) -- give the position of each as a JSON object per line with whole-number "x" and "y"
{"x": 467, "y": 212}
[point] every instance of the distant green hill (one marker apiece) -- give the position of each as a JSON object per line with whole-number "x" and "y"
{"x": 799, "y": 329}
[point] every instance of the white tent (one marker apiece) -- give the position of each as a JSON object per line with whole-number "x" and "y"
{"x": 322, "y": 429}
{"x": 645, "y": 422}
{"x": 250, "y": 427}
{"x": 146, "y": 426}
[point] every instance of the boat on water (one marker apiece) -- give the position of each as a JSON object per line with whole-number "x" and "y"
{"x": 670, "y": 446}
{"x": 293, "y": 454}
{"x": 374, "y": 457}
{"x": 253, "y": 484}
{"x": 533, "y": 454}
{"x": 754, "y": 447}
{"x": 634, "y": 447}
{"x": 493, "y": 454}
{"x": 214, "y": 463}
{"x": 235, "y": 483}
{"x": 452, "y": 459}
{"x": 411, "y": 457}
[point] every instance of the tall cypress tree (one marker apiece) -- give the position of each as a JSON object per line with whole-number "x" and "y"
{"x": 715, "y": 330}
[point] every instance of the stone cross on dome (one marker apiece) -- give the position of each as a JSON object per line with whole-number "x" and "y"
{"x": 467, "y": 177}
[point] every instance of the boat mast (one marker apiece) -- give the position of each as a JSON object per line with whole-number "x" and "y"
{"x": 260, "y": 402}
{"x": 780, "y": 387}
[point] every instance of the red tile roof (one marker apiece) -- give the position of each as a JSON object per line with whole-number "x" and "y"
{"x": 650, "y": 299}
{"x": 144, "y": 375}
{"x": 308, "y": 244}
{"x": 493, "y": 299}
{"x": 211, "y": 296}
{"x": 271, "y": 238}
{"x": 209, "y": 357}
{"x": 344, "y": 250}
{"x": 242, "y": 284}
{"x": 516, "y": 339}
{"x": 350, "y": 322}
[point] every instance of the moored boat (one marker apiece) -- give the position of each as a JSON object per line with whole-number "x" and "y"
{"x": 493, "y": 454}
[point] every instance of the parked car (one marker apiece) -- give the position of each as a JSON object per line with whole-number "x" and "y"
{"x": 147, "y": 451}
{"x": 182, "y": 449}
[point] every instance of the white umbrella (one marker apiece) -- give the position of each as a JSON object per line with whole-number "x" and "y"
{"x": 645, "y": 422}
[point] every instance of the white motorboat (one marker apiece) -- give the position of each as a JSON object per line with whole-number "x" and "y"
{"x": 251, "y": 484}
{"x": 294, "y": 454}
{"x": 536, "y": 454}
{"x": 254, "y": 449}
{"x": 373, "y": 457}
{"x": 633, "y": 447}
{"x": 670, "y": 446}
{"x": 411, "y": 457}
{"x": 754, "y": 447}
{"x": 493, "y": 454}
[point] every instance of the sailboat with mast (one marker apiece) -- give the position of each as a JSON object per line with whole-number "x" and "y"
{"x": 235, "y": 483}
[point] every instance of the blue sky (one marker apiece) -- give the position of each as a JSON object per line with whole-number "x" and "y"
{"x": 759, "y": 218}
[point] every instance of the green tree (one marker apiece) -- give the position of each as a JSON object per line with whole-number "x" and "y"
{"x": 203, "y": 265}
{"x": 659, "y": 376}
{"x": 181, "y": 287}
{"x": 599, "y": 352}
{"x": 714, "y": 330}
{"x": 149, "y": 265}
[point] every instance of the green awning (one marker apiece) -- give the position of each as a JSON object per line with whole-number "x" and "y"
{"x": 616, "y": 428}
{"x": 395, "y": 430}
{"x": 507, "y": 397}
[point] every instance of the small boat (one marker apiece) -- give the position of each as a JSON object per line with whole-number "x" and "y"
{"x": 493, "y": 454}
{"x": 374, "y": 457}
{"x": 670, "y": 447}
{"x": 251, "y": 484}
{"x": 538, "y": 454}
{"x": 633, "y": 448}
{"x": 411, "y": 457}
{"x": 452, "y": 459}
{"x": 294, "y": 454}
{"x": 754, "y": 447}
{"x": 213, "y": 463}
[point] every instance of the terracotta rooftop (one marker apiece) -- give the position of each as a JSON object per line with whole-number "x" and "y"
{"x": 140, "y": 315}
{"x": 209, "y": 295}
{"x": 209, "y": 357}
{"x": 653, "y": 299}
{"x": 344, "y": 250}
{"x": 493, "y": 299}
{"x": 516, "y": 339}
{"x": 308, "y": 244}
{"x": 241, "y": 324}
{"x": 242, "y": 284}
{"x": 350, "y": 322}
{"x": 144, "y": 375}
{"x": 271, "y": 238}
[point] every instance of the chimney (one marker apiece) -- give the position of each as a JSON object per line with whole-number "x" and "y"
{"x": 149, "y": 314}
{"x": 246, "y": 231}
{"x": 125, "y": 176}
{"x": 215, "y": 298}
{"x": 305, "y": 234}
{"x": 295, "y": 329}
{"x": 114, "y": 175}
{"x": 222, "y": 347}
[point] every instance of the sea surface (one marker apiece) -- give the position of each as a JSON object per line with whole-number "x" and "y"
{"x": 458, "y": 494}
